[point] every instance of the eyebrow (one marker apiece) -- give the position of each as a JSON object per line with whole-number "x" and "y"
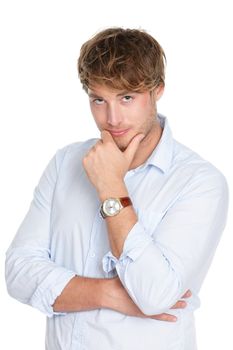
{"x": 91, "y": 94}
{"x": 123, "y": 93}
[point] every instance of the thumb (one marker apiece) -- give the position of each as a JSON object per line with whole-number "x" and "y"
{"x": 132, "y": 147}
{"x": 106, "y": 136}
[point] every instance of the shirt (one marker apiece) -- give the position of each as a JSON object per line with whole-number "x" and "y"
{"x": 181, "y": 202}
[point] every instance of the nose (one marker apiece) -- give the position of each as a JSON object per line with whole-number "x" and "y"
{"x": 114, "y": 117}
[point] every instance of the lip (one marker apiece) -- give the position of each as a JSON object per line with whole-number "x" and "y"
{"x": 118, "y": 132}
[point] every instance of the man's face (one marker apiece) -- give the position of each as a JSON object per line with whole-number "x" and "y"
{"x": 124, "y": 114}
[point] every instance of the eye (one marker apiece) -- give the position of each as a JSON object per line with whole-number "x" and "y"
{"x": 127, "y": 98}
{"x": 98, "y": 101}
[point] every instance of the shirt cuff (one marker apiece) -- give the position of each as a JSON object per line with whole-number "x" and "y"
{"x": 46, "y": 294}
{"x": 135, "y": 243}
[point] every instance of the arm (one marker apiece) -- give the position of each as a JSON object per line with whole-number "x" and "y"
{"x": 177, "y": 254}
{"x": 82, "y": 294}
{"x": 31, "y": 276}
{"x": 106, "y": 167}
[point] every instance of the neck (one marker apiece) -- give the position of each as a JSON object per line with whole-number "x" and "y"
{"x": 147, "y": 146}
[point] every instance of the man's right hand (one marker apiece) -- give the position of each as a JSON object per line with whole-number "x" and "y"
{"x": 117, "y": 298}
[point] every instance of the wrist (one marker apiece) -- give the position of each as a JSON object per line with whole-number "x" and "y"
{"x": 105, "y": 293}
{"x": 108, "y": 298}
{"x": 114, "y": 191}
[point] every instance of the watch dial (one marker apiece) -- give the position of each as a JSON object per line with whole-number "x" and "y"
{"x": 112, "y": 207}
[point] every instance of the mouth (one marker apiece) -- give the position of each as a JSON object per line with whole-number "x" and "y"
{"x": 118, "y": 132}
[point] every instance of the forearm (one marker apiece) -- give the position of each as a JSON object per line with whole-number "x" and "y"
{"x": 119, "y": 226}
{"x": 81, "y": 294}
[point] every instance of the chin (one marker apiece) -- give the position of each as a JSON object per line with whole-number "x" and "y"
{"x": 122, "y": 145}
{"x": 124, "y": 142}
{"x": 122, "y": 148}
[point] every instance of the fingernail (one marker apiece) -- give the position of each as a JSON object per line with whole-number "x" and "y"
{"x": 184, "y": 304}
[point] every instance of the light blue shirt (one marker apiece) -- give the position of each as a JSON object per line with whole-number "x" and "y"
{"x": 181, "y": 201}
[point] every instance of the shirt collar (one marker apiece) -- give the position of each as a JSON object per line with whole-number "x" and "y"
{"x": 161, "y": 157}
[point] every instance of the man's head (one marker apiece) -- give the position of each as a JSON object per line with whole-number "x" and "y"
{"x": 122, "y": 70}
{"x": 122, "y": 59}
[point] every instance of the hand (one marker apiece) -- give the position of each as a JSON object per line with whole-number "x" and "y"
{"x": 180, "y": 304}
{"x": 118, "y": 299}
{"x": 106, "y": 165}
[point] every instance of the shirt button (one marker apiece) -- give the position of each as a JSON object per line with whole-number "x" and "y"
{"x": 92, "y": 255}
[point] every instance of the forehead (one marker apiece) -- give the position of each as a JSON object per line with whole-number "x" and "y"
{"x": 97, "y": 90}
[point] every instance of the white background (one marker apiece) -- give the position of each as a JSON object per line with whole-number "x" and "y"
{"x": 43, "y": 108}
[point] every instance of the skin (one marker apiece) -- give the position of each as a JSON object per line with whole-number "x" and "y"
{"x": 83, "y": 293}
{"x": 108, "y": 161}
{"x": 119, "y": 110}
{"x": 106, "y": 164}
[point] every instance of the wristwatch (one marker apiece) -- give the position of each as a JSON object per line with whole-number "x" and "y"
{"x": 113, "y": 206}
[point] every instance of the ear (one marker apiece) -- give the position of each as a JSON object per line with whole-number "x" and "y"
{"x": 158, "y": 92}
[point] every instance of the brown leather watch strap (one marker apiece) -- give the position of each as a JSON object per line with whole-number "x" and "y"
{"x": 125, "y": 201}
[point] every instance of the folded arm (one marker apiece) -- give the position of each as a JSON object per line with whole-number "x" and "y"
{"x": 156, "y": 265}
{"x": 34, "y": 279}
{"x": 83, "y": 293}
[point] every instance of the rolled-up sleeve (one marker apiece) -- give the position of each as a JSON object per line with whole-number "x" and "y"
{"x": 31, "y": 276}
{"x": 156, "y": 268}
{"x": 135, "y": 244}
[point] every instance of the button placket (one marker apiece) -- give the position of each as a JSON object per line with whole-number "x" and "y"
{"x": 92, "y": 254}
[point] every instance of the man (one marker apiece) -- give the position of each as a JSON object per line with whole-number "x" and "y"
{"x": 123, "y": 228}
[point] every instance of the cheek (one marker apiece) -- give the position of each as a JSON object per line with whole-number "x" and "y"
{"x": 144, "y": 107}
{"x": 98, "y": 115}
{"x": 149, "y": 111}
{"x": 141, "y": 113}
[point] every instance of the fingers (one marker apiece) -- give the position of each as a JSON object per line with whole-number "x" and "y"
{"x": 188, "y": 294}
{"x": 132, "y": 147}
{"x": 165, "y": 317}
{"x": 181, "y": 304}
{"x": 106, "y": 136}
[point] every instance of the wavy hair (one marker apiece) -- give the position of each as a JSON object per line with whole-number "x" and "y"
{"x": 122, "y": 59}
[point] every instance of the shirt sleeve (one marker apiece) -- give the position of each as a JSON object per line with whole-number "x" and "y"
{"x": 157, "y": 268}
{"x": 31, "y": 276}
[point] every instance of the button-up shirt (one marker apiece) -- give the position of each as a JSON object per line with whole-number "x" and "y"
{"x": 181, "y": 203}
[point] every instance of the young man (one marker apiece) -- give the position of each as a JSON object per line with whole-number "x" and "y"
{"x": 121, "y": 228}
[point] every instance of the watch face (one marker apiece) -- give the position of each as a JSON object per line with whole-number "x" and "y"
{"x": 111, "y": 206}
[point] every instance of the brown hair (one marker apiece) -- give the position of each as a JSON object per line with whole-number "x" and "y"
{"x": 123, "y": 59}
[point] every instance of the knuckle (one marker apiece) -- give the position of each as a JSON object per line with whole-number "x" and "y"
{"x": 98, "y": 146}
